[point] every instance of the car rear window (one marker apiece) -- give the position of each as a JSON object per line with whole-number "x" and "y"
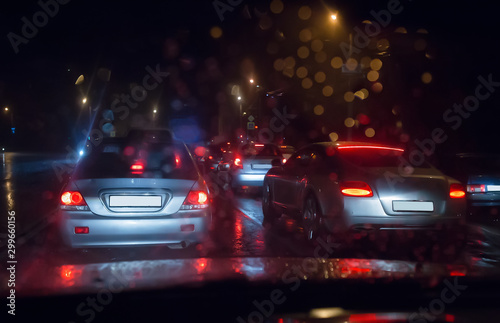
{"x": 157, "y": 159}
{"x": 376, "y": 158}
{"x": 261, "y": 150}
{"x": 479, "y": 164}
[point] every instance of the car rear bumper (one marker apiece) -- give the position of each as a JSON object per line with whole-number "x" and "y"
{"x": 178, "y": 230}
{"x": 397, "y": 223}
{"x": 246, "y": 179}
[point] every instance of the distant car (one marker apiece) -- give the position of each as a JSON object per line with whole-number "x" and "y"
{"x": 481, "y": 173}
{"x": 287, "y": 151}
{"x": 251, "y": 163}
{"x": 141, "y": 190}
{"x": 334, "y": 188}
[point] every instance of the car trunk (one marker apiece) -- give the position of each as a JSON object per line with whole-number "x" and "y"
{"x": 134, "y": 196}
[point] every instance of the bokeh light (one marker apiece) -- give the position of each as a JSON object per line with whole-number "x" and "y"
{"x": 349, "y": 122}
{"x": 372, "y": 76}
{"x": 305, "y": 12}
{"x": 301, "y": 72}
{"x": 318, "y": 110}
{"x": 279, "y": 64}
{"x": 377, "y": 87}
{"x": 334, "y": 136}
{"x": 422, "y": 31}
{"x": 276, "y": 6}
{"x": 383, "y": 44}
{"x": 376, "y": 64}
{"x": 336, "y": 62}
{"x": 320, "y": 77}
{"x": 327, "y": 91}
{"x": 365, "y": 62}
{"x": 305, "y": 35}
{"x": 370, "y": 132}
{"x": 426, "y": 77}
{"x": 363, "y": 119}
{"x": 349, "y": 96}
{"x": 307, "y": 83}
{"x": 365, "y": 92}
{"x": 289, "y": 62}
{"x": 303, "y": 52}
{"x": 351, "y": 64}
{"x": 359, "y": 95}
{"x": 289, "y": 71}
{"x": 216, "y": 32}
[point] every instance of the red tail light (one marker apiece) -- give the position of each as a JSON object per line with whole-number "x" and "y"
{"x": 238, "y": 163}
{"x": 457, "y": 191}
{"x": 356, "y": 188}
{"x": 195, "y": 200}
{"x": 137, "y": 167}
{"x": 476, "y": 188}
{"x": 72, "y": 198}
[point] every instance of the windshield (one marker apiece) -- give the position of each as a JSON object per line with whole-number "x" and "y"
{"x": 266, "y": 146}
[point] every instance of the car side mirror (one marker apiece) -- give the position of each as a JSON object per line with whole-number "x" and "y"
{"x": 276, "y": 162}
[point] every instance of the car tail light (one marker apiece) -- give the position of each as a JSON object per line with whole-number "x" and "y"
{"x": 284, "y": 160}
{"x": 137, "y": 167}
{"x": 72, "y": 200}
{"x": 177, "y": 161}
{"x": 356, "y": 188}
{"x": 457, "y": 191}
{"x": 476, "y": 188}
{"x": 238, "y": 163}
{"x": 195, "y": 200}
{"x": 81, "y": 230}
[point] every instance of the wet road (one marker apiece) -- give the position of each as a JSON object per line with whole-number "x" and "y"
{"x": 30, "y": 187}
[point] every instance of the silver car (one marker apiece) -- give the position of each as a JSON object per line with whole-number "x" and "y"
{"x": 251, "y": 163}
{"x": 338, "y": 187}
{"x": 141, "y": 190}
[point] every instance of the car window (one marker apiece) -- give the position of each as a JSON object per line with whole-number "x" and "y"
{"x": 157, "y": 160}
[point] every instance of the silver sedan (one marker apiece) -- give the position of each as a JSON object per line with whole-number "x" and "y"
{"x": 344, "y": 186}
{"x": 140, "y": 190}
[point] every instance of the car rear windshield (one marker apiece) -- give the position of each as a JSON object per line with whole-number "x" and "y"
{"x": 145, "y": 158}
{"x": 363, "y": 157}
{"x": 479, "y": 164}
{"x": 263, "y": 150}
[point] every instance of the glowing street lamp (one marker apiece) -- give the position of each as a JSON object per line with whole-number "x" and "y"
{"x": 334, "y": 17}
{"x": 84, "y": 100}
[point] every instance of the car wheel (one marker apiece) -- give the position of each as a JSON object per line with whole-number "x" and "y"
{"x": 311, "y": 219}
{"x": 270, "y": 214}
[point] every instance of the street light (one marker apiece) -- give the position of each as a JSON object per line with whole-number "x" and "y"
{"x": 84, "y": 100}
{"x": 334, "y": 16}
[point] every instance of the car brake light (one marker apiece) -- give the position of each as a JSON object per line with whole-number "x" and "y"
{"x": 195, "y": 200}
{"x": 238, "y": 163}
{"x": 137, "y": 167}
{"x": 371, "y": 147}
{"x": 73, "y": 201}
{"x": 284, "y": 160}
{"x": 476, "y": 188}
{"x": 356, "y": 188}
{"x": 457, "y": 191}
{"x": 72, "y": 198}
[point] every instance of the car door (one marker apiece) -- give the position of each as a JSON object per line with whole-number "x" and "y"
{"x": 288, "y": 184}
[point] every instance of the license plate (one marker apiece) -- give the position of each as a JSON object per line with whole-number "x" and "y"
{"x": 415, "y": 206}
{"x": 134, "y": 201}
{"x": 261, "y": 166}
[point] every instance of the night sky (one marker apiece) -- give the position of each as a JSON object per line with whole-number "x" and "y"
{"x": 96, "y": 37}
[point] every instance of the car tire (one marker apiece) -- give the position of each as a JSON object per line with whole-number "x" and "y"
{"x": 312, "y": 220}
{"x": 270, "y": 214}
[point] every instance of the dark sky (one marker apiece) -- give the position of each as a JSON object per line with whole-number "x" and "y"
{"x": 126, "y": 36}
